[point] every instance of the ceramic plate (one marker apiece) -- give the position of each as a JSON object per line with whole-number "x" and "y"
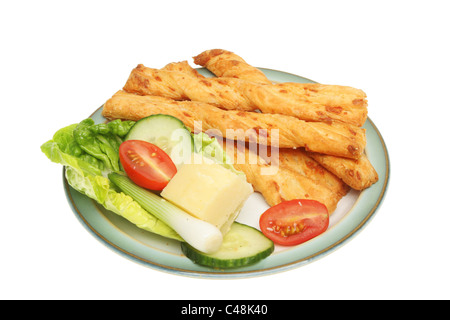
{"x": 353, "y": 213}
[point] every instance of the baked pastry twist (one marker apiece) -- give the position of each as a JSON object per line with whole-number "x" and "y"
{"x": 284, "y": 185}
{"x": 305, "y": 101}
{"x": 299, "y": 161}
{"x": 359, "y": 173}
{"x": 334, "y": 138}
{"x": 224, "y": 63}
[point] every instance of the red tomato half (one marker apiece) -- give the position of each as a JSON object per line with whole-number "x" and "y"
{"x": 295, "y": 221}
{"x": 146, "y": 164}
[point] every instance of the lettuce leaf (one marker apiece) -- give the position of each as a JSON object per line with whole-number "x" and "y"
{"x": 103, "y": 191}
{"x": 89, "y": 151}
{"x": 64, "y": 150}
{"x": 87, "y": 163}
{"x": 102, "y": 141}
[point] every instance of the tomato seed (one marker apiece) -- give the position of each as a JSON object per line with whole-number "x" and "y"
{"x": 286, "y": 231}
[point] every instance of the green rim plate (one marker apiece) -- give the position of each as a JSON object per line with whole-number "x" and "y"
{"x": 353, "y": 214}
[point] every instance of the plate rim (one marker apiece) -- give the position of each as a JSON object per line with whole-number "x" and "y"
{"x": 227, "y": 274}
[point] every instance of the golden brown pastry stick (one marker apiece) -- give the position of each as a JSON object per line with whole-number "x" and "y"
{"x": 228, "y": 64}
{"x": 285, "y": 185}
{"x": 224, "y": 63}
{"x": 333, "y": 138}
{"x": 183, "y": 66}
{"x": 357, "y": 173}
{"x": 297, "y": 160}
{"x": 294, "y": 159}
{"x": 306, "y": 101}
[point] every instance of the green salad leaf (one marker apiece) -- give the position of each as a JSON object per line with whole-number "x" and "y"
{"x": 105, "y": 193}
{"x": 102, "y": 141}
{"x": 63, "y": 149}
{"x": 89, "y": 152}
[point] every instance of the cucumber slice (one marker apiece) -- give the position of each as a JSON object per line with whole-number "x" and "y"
{"x": 166, "y": 132}
{"x": 242, "y": 245}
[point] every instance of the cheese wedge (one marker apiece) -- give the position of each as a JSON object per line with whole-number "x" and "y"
{"x": 209, "y": 192}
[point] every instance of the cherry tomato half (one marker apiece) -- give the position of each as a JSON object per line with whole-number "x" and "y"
{"x": 295, "y": 221}
{"x": 146, "y": 164}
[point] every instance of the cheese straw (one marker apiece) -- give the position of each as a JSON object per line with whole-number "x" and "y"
{"x": 359, "y": 174}
{"x": 224, "y": 63}
{"x": 334, "y": 138}
{"x": 298, "y": 160}
{"x": 285, "y": 185}
{"x": 305, "y": 101}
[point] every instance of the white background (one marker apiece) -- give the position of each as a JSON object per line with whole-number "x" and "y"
{"x": 61, "y": 60}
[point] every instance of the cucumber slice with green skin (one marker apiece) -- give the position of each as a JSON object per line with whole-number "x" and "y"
{"x": 242, "y": 245}
{"x": 168, "y": 133}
